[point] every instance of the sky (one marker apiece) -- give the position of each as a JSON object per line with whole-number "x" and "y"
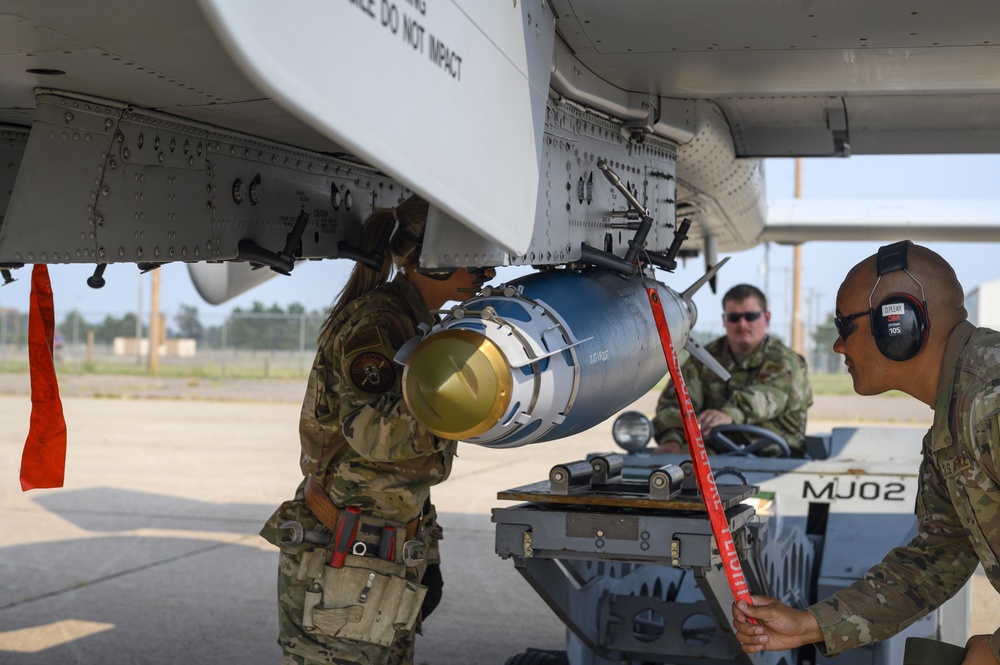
{"x": 315, "y": 284}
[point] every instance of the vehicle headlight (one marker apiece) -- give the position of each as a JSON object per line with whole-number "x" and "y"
{"x": 632, "y": 431}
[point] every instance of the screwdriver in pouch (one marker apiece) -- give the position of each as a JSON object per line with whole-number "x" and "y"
{"x": 347, "y": 529}
{"x": 387, "y": 546}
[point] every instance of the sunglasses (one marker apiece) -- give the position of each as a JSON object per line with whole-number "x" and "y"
{"x": 845, "y": 324}
{"x": 734, "y": 317}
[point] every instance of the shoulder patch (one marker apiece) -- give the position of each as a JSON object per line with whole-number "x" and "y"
{"x": 372, "y": 372}
{"x": 364, "y": 339}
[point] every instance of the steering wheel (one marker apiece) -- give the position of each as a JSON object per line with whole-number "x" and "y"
{"x": 762, "y": 438}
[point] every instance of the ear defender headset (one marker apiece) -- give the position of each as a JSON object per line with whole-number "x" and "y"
{"x": 899, "y": 322}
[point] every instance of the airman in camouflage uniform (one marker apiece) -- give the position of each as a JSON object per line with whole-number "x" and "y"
{"x": 364, "y": 449}
{"x": 957, "y": 372}
{"x": 769, "y": 386}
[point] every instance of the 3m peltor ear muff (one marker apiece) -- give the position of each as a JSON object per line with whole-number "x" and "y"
{"x": 899, "y": 322}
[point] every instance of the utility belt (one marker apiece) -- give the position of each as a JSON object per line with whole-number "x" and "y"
{"x": 358, "y": 580}
{"x": 353, "y": 531}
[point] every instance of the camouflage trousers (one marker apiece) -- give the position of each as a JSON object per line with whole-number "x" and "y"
{"x": 305, "y": 646}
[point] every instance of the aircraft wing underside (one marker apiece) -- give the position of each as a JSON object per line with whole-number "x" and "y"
{"x": 146, "y": 132}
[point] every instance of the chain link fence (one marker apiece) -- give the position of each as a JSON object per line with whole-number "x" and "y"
{"x": 239, "y": 344}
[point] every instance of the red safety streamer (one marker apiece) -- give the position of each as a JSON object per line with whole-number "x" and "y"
{"x": 43, "y": 462}
{"x": 699, "y": 456}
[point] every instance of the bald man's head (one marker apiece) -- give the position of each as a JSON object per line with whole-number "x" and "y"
{"x": 927, "y": 277}
{"x": 930, "y": 278}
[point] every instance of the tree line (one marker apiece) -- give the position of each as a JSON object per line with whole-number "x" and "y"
{"x": 275, "y": 328}
{"x": 257, "y": 328}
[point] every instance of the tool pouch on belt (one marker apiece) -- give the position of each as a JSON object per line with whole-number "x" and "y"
{"x": 368, "y": 600}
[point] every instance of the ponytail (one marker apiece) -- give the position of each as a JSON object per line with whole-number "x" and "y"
{"x": 402, "y": 252}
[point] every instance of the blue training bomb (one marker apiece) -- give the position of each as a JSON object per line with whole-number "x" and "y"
{"x": 543, "y": 357}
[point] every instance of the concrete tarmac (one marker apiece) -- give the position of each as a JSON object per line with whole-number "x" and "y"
{"x": 149, "y": 554}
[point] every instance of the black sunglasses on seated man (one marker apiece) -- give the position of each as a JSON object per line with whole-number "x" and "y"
{"x": 734, "y": 317}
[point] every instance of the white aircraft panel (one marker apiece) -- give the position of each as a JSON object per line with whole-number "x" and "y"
{"x": 360, "y": 71}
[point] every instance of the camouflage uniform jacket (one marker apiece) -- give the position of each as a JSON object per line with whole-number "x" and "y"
{"x": 958, "y": 507}
{"x": 769, "y": 387}
{"x": 357, "y": 436}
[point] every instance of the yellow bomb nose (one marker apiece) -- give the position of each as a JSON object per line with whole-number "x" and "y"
{"x": 457, "y": 383}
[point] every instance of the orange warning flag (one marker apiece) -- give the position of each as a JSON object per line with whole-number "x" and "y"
{"x": 43, "y": 462}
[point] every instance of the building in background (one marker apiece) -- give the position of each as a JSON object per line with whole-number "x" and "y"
{"x": 170, "y": 348}
{"x": 983, "y": 304}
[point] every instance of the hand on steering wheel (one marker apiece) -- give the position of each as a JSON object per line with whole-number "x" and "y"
{"x": 720, "y": 439}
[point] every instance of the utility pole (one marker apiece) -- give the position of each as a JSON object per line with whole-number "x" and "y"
{"x": 798, "y": 338}
{"x": 138, "y": 326}
{"x": 154, "y": 324}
